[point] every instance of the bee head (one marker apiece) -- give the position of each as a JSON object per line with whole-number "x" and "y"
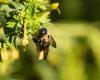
{"x": 42, "y": 32}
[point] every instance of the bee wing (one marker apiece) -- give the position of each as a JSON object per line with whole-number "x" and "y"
{"x": 52, "y": 42}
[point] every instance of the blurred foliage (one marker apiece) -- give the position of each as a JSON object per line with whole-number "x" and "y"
{"x": 78, "y": 54}
{"x": 88, "y": 10}
{"x": 4, "y": 1}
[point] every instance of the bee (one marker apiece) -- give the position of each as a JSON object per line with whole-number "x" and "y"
{"x": 43, "y": 40}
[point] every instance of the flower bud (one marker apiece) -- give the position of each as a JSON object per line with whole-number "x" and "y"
{"x": 54, "y": 6}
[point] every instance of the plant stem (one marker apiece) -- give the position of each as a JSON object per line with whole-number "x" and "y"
{"x": 25, "y": 37}
{"x": 25, "y": 28}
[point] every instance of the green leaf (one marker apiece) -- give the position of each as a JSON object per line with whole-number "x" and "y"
{"x": 30, "y": 9}
{"x": 5, "y": 9}
{"x": 43, "y": 7}
{"x": 11, "y": 24}
{"x": 2, "y": 20}
{"x": 17, "y": 5}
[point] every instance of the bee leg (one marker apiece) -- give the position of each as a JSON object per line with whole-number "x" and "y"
{"x": 46, "y": 53}
{"x": 41, "y": 55}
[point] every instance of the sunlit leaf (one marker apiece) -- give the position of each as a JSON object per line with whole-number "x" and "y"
{"x": 11, "y": 24}
{"x": 17, "y": 5}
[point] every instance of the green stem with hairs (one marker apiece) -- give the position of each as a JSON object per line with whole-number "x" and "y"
{"x": 25, "y": 28}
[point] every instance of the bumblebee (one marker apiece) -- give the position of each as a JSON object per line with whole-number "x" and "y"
{"x": 43, "y": 40}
